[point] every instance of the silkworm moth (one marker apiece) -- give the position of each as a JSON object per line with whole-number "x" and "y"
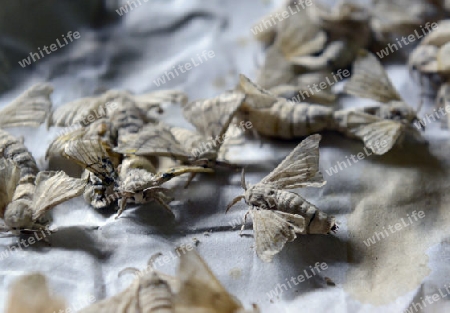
{"x": 277, "y": 117}
{"x": 391, "y": 19}
{"x": 280, "y": 215}
{"x": 211, "y": 118}
{"x": 343, "y": 42}
{"x": 194, "y": 289}
{"x": 370, "y": 80}
{"x": 25, "y": 202}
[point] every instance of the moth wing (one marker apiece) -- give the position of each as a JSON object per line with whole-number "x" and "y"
{"x": 189, "y": 139}
{"x": 200, "y": 291}
{"x": 299, "y": 35}
{"x": 31, "y": 294}
{"x": 255, "y": 96}
{"x": 211, "y": 117}
{"x": 374, "y": 134}
{"x": 76, "y": 111}
{"x": 153, "y": 140}
{"x": 370, "y": 80}
{"x": 273, "y": 229}
{"x": 92, "y": 155}
{"x": 9, "y": 177}
{"x": 57, "y": 146}
{"x": 53, "y": 188}
{"x": 299, "y": 169}
{"x": 276, "y": 70}
{"x": 150, "y": 100}
{"x": 30, "y": 109}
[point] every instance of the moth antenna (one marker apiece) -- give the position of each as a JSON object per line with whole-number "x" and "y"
{"x": 243, "y": 183}
{"x": 153, "y": 259}
{"x": 128, "y": 270}
{"x": 419, "y": 107}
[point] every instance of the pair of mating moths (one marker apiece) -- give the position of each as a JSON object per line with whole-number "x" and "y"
{"x": 194, "y": 289}
{"x": 379, "y": 126}
{"x": 117, "y": 114}
{"x": 432, "y": 60}
{"x": 125, "y": 136}
{"x": 280, "y": 215}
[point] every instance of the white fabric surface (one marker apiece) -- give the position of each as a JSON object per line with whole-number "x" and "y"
{"x": 90, "y": 248}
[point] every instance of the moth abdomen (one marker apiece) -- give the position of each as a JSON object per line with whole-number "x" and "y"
{"x": 13, "y": 149}
{"x": 316, "y": 221}
{"x": 156, "y": 298}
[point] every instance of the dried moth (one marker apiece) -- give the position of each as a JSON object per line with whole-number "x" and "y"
{"x": 280, "y": 215}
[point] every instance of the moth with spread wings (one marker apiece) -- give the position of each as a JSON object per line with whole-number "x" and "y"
{"x": 124, "y": 114}
{"x": 280, "y": 118}
{"x": 211, "y": 118}
{"x": 370, "y": 80}
{"x": 27, "y": 198}
{"x": 279, "y": 215}
{"x": 194, "y": 289}
{"x": 135, "y": 182}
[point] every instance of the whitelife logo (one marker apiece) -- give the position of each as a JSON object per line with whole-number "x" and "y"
{"x": 53, "y": 47}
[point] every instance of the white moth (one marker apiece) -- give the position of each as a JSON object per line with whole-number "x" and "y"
{"x": 85, "y": 110}
{"x": 27, "y": 203}
{"x": 279, "y": 215}
{"x": 31, "y": 294}
{"x": 139, "y": 182}
{"x": 28, "y": 195}
{"x": 343, "y": 41}
{"x": 211, "y": 117}
{"x": 277, "y": 117}
{"x": 391, "y": 19}
{"x": 194, "y": 289}
{"x": 370, "y": 80}
{"x": 30, "y": 109}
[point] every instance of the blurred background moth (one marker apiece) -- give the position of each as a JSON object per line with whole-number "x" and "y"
{"x": 110, "y": 117}
{"x": 279, "y": 215}
{"x": 211, "y": 117}
{"x": 27, "y": 193}
{"x": 370, "y": 80}
{"x": 31, "y": 108}
{"x": 431, "y": 59}
{"x": 31, "y": 294}
{"x": 194, "y": 289}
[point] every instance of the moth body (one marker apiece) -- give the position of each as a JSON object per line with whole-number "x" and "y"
{"x": 316, "y": 221}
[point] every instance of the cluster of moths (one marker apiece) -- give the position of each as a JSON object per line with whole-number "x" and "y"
{"x": 431, "y": 60}
{"x": 379, "y": 126}
{"x": 193, "y": 289}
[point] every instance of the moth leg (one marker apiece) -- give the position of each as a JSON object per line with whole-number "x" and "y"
{"x": 122, "y": 204}
{"x": 191, "y": 177}
{"x": 163, "y": 204}
{"x": 243, "y": 225}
